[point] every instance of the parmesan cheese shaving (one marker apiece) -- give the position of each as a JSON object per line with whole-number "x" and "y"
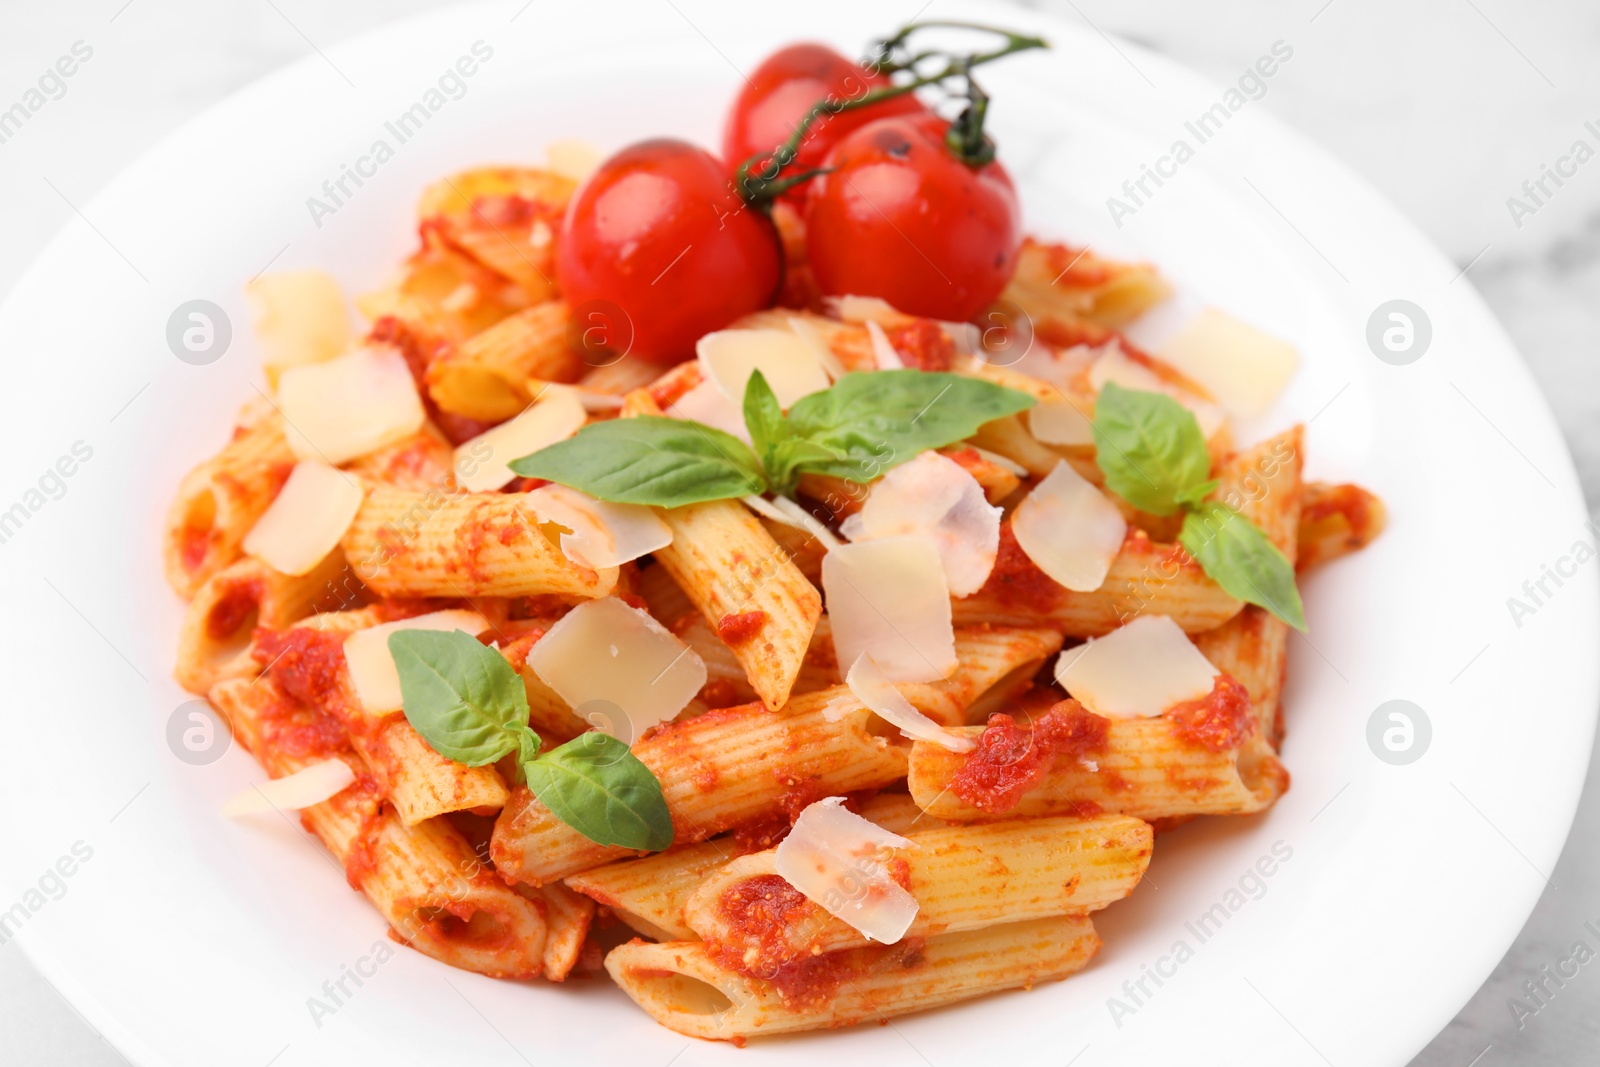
{"x": 1138, "y": 671}
{"x": 707, "y": 404}
{"x": 935, "y": 496}
{"x": 789, "y": 513}
{"x": 814, "y": 340}
{"x": 791, "y": 367}
{"x": 1113, "y": 365}
{"x": 1069, "y": 529}
{"x": 482, "y": 464}
{"x": 573, "y": 158}
{"x": 1245, "y": 369}
{"x": 869, "y": 685}
{"x": 309, "y": 785}
{"x": 617, "y": 668}
{"x": 1058, "y": 421}
{"x": 371, "y": 665}
{"x": 883, "y": 353}
{"x": 862, "y": 309}
{"x": 831, "y": 857}
{"x": 299, "y": 317}
{"x": 599, "y": 533}
{"x": 306, "y": 519}
{"x": 349, "y": 406}
{"x": 889, "y": 599}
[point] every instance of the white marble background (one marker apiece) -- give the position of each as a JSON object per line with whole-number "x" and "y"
{"x": 1446, "y": 105}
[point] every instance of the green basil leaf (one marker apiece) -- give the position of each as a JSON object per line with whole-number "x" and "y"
{"x": 1150, "y": 449}
{"x": 465, "y": 700}
{"x": 597, "y": 786}
{"x": 1238, "y": 557}
{"x": 871, "y": 421}
{"x": 650, "y": 459}
{"x": 763, "y": 417}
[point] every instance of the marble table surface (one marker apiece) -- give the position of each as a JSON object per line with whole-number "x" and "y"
{"x": 1448, "y": 106}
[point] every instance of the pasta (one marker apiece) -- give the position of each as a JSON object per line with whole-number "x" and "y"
{"x": 848, "y": 646}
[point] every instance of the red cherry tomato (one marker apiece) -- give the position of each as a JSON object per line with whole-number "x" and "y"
{"x": 901, "y": 217}
{"x": 657, "y": 250}
{"x": 786, "y": 86}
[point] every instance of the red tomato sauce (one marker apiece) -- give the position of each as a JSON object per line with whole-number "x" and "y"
{"x": 1016, "y": 580}
{"x": 233, "y": 609}
{"x": 1220, "y": 721}
{"x": 305, "y": 663}
{"x": 737, "y": 629}
{"x": 922, "y": 344}
{"x": 1010, "y": 759}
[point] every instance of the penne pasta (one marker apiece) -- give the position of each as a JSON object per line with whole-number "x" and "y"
{"x": 214, "y": 641}
{"x": 220, "y": 500}
{"x": 963, "y": 878}
{"x": 683, "y": 985}
{"x": 717, "y": 771}
{"x": 425, "y": 879}
{"x": 434, "y": 543}
{"x": 1062, "y": 282}
{"x": 486, "y": 376}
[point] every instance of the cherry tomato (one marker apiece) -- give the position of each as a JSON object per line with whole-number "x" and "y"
{"x": 657, "y": 247}
{"x": 788, "y": 84}
{"x": 901, "y": 217}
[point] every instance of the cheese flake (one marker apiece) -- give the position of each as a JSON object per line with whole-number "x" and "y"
{"x": 309, "y": 785}
{"x": 935, "y": 496}
{"x": 1137, "y": 671}
{"x": 870, "y": 687}
{"x": 371, "y": 665}
{"x": 482, "y": 463}
{"x": 1245, "y": 369}
{"x": 1069, "y": 529}
{"x": 306, "y": 519}
{"x": 299, "y": 317}
{"x": 573, "y": 158}
{"x": 790, "y": 365}
{"x": 349, "y": 406}
{"x": 832, "y": 857}
{"x": 617, "y": 668}
{"x": 883, "y": 353}
{"x": 1059, "y": 421}
{"x": 889, "y": 599}
{"x": 599, "y": 533}
{"x": 707, "y": 404}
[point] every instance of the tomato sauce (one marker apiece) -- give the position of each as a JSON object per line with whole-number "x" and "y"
{"x": 1220, "y": 721}
{"x": 1016, "y": 581}
{"x": 305, "y": 663}
{"x": 1074, "y": 268}
{"x": 233, "y": 609}
{"x": 922, "y": 344}
{"x": 1010, "y": 760}
{"x": 737, "y": 629}
{"x": 194, "y": 544}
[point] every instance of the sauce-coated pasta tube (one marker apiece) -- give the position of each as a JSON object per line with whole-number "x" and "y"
{"x": 220, "y": 500}
{"x": 408, "y": 543}
{"x": 1145, "y": 767}
{"x": 649, "y": 893}
{"x": 425, "y": 880}
{"x": 963, "y": 878}
{"x": 214, "y": 641}
{"x": 718, "y": 770}
{"x": 1146, "y": 578}
{"x": 683, "y": 986}
{"x": 486, "y": 377}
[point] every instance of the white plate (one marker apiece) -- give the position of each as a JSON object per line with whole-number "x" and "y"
{"x": 190, "y": 940}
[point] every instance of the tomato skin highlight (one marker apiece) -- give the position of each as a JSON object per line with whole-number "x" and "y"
{"x": 659, "y": 232}
{"x": 901, "y": 217}
{"x": 786, "y": 85}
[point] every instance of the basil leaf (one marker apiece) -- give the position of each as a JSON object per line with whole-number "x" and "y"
{"x": 465, "y": 700}
{"x": 1238, "y": 557}
{"x": 650, "y": 460}
{"x": 1150, "y": 449}
{"x": 871, "y": 421}
{"x": 763, "y": 417}
{"x": 597, "y": 786}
